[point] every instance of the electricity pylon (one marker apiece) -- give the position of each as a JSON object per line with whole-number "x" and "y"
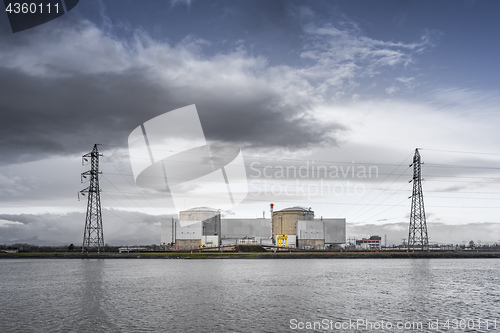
{"x": 417, "y": 239}
{"x": 92, "y": 235}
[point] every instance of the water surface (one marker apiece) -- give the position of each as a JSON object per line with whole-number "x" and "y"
{"x": 242, "y": 295}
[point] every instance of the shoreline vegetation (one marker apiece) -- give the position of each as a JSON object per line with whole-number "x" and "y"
{"x": 258, "y": 255}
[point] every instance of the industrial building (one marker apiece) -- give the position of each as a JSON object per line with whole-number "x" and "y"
{"x": 246, "y": 231}
{"x": 293, "y": 227}
{"x": 197, "y": 226}
{"x": 372, "y": 243}
{"x": 297, "y": 227}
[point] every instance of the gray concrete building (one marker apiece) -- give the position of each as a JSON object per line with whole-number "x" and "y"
{"x": 234, "y": 231}
{"x": 293, "y": 227}
{"x": 334, "y": 231}
{"x": 197, "y": 227}
{"x": 283, "y": 221}
{"x": 310, "y": 234}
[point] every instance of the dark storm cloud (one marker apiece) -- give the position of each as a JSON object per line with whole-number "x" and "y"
{"x": 56, "y": 100}
{"x": 42, "y": 116}
{"x": 261, "y": 123}
{"x": 69, "y": 84}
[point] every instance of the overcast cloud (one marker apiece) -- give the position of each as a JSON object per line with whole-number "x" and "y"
{"x": 82, "y": 81}
{"x": 289, "y": 81}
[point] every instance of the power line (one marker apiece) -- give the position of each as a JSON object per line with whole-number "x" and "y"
{"x": 273, "y": 198}
{"x": 349, "y": 163}
{"x": 460, "y": 152}
{"x": 387, "y": 198}
{"x": 260, "y": 157}
{"x": 128, "y": 181}
{"x": 399, "y": 165}
{"x": 456, "y": 166}
{"x": 124, "y": 219}
{"x": 399, "y": 204}
{"x": 267, "y": 158}
{"x": 125, "y": 195}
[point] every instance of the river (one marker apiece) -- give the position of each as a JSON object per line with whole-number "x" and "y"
{"x": 250, "y": 295}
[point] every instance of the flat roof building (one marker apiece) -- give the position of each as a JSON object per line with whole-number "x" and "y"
{"x": 290, "y": 227}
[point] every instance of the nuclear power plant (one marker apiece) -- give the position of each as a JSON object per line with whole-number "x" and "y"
{"x": 293, "y": 227}
{"x": 297, "y": 227}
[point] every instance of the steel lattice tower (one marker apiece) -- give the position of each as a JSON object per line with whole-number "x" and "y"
{"x": 92, "y": 235}
{"x": 417, "y": 238}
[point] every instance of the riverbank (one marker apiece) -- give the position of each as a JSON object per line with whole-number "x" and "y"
{"x": 256, "y": 255}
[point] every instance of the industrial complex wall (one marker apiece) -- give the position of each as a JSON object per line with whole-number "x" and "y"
{"x": 306, "y": 244}
{"x": 295, "y": 222}
{"x": 191, "y": 231}
{"x": 197, "y": 214}
{"x": 335, "y": 231}
{"x": 310, "y": 229}
{"x": 240, "y": 228}
{"x": 212, "y": 226}
{"x": 187, "y": 244}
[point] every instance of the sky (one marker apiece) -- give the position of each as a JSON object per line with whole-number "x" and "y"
{"x": 327, "y": 100}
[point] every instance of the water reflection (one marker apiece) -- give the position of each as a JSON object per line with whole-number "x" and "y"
{"x": 240, "y": 295}
{"x": 92, "y": 295}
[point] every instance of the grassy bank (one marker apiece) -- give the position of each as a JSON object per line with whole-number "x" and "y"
{"x": 255, "y": 255}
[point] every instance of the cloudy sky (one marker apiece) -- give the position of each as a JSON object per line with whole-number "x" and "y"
{"x": 343, "y": 91}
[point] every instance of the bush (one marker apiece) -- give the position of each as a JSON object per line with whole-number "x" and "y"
{"x": 250, "y": 248}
